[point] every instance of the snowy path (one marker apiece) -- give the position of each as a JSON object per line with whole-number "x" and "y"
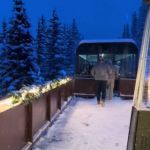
{"x": 84, "y": 125}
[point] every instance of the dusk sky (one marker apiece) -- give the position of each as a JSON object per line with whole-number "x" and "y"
{"x": 95, "y": 18}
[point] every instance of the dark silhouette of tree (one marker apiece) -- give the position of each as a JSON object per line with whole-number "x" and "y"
{"x": 4, "y": 31}
{"x": 126, "y": 31}
{"x": 55, "y": 56}
{"x": 74, "y": 38}
{"x": 3, "y": 36}
{"x": 64, "y": 50}
{"x": 41, "y": 42}
{"x": 134, "y": 27}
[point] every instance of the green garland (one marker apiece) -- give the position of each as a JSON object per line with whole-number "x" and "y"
{"x": 28, "y": 94}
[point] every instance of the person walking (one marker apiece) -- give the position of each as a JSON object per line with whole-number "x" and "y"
{"x": 111, "y": 80}
{"x": 101, "y": 72}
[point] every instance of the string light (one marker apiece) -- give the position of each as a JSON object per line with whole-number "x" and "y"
{"x": 27, "y": 94}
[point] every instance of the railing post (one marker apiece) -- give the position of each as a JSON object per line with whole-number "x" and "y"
{"x": 29, "y": 123}
{"x": 59, "y": 97}
{"x": 48, "y": 106}
{"x": 72, "y": 86}
{"x": 65, "y": 90}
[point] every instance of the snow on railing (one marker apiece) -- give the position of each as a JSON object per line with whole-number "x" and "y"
{"x": 29, "y": 93}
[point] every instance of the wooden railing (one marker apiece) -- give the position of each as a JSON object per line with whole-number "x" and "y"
{"x": 22, "y": 125}
{"x": 86, "y": 86}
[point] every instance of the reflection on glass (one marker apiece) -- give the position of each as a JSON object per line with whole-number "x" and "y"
{"x": 86, "y": 62}
{"x": 125, "y": 63}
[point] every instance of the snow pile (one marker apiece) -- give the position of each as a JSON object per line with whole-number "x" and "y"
{"x": 84, "y": 125}
{"x": 119, "y": 40}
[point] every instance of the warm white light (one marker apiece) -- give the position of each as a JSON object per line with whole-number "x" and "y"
{"x": 26, "y": 94}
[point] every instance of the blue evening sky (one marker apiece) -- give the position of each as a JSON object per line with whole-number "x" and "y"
{"x": 95, "y": 18}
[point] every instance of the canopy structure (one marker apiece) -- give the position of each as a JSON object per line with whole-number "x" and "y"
{"x": 123, "y": 53}
{"x": 107, "y": 46}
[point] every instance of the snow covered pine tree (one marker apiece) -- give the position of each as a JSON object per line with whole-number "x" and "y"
{"x": 42, "y": 53}
{"x": 54, "y": 47}
{"x": 19, "y": 64}
{"x": 4, "y": 31}
{"x": 74, "y": 38}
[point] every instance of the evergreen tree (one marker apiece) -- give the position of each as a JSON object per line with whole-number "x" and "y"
{"x": 4, "y": 31}
{"x": 19, "y": 66}
{"x": 134, "y": 27}
{"x": 53, "y": 44}
{"x": 126, "y": 31}
{"x": 74, "y": 38}
{"x": 3, "y": 34}
{"x": 3, "y": 39}
{"x": 63, "y": 46}
{"x": 41, "y": 47}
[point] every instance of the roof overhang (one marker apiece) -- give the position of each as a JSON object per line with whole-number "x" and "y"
{"x": 106, "y": 46}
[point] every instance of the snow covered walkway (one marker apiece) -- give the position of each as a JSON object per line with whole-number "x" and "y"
{"x": 84, "y": 125}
